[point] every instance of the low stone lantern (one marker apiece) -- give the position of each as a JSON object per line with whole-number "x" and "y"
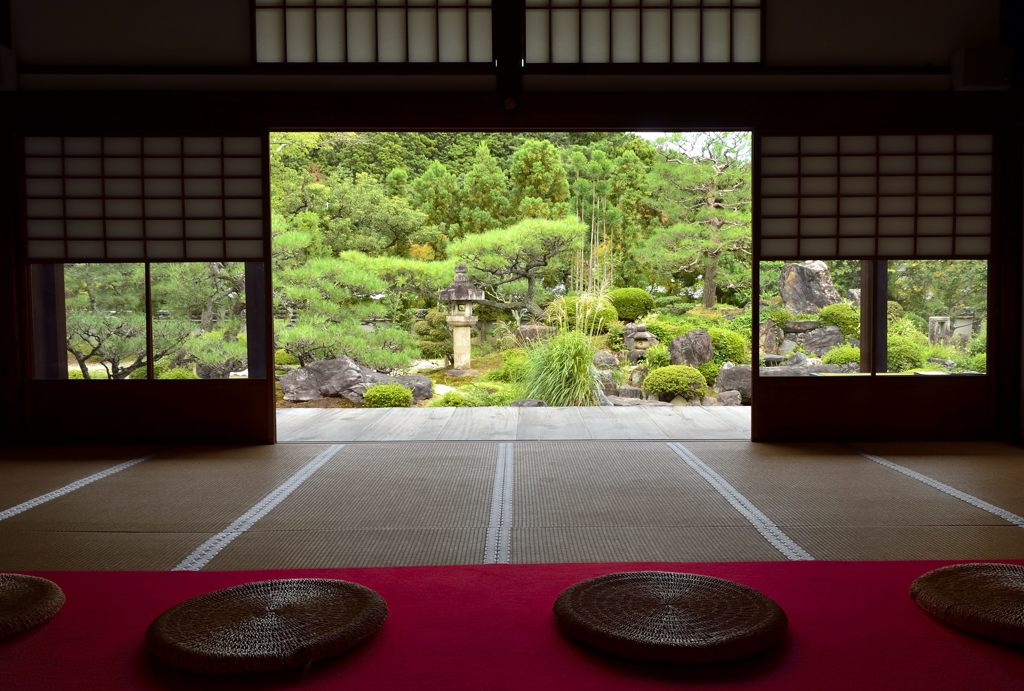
{"x": 459, "y": 297}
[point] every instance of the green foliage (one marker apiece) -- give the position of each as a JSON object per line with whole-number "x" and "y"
{"x": 616, "y": 341}
{"x": 282, "y": 358}
{"x": 842, "y": 355}
{"x": 907, "y": 329}
{"x": 673, "y": 304}
{"x": 676, "y": 380}
{"x": 631, "y": 303}
{"x": 558, "y": 371}
{"x": 778, "y": 315}
{"x": 435, "y": 338}
{"x": 453, "y": 399}
{"x": 842, "y": 315}
{"x": 512, "y": 369}
{"x": 893, "y": 310}
{"x": 387, "y": 396}
{"x": 978, "y": 363}
{"x": 178, "y": 373}
{"x": 710, "y": 371}
{"x": 657, "y": 356}
{"x": 591, "y": 314}
{"x": 479, "y": 394}
{"x": 729, "y": 346}
{"x": 538, "y": 180}
{"x": 77, "y": 374}
{"x": 919, "y": 322}
{"x": 904, "y": 353}
{"x": 978, "y": 345}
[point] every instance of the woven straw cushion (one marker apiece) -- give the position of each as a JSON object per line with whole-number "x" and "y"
{"x": 266, "y": 626}
{"x": 26, "y": 602}
{"x": 670, "y": 617}
{"x": 984, "y": 599}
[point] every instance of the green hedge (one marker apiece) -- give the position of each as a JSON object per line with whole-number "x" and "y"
{"x": 631, "y": 303}
{"x": 842, "y": 355}
{"x": 904, "y": 353}
{"x": 657, "y": 356}
{"x": 842, "y": 315}
{"x": 729, "y": 346}
{"x": 710, "y": 371}
{"x": 178, "y": 373}
{"x": 676, "y": 380}
{"x": 387, "y": 396}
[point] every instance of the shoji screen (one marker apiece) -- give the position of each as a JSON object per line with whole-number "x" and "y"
{"x": 643, "y": 31}
{"x": 373, "y": 31}
{"x": 144, "y": 198}
{"x": 884, "y": 196}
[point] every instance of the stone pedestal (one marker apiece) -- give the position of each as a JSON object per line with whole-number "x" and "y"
{"x": 461, "y": 326}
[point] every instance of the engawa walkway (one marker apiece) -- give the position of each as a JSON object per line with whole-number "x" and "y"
{"x": 511, "y": 424}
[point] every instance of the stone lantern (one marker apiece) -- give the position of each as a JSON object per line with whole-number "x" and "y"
{"x": 460, "y": 296}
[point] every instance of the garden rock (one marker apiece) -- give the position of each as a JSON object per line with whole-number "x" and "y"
{"x": 731, "y": 397}
{"x": 605, "y": 360}
{"x": 807, "y": 287}
{"x": 853, "y": 295}
{"x": 629, "y": 392}
{"x": 770, "y": 338}
{"x": 821, "y": 340}
{"x": 795, "y": 360}
{"x": 534, "y": 332}
{"x": 737, "y": 378}
{"x": 679, "y": 401}
{"x": 693, "y": 348}
{"x": 787, "y": 347}
{"x": 801, "y": 326}
{"x": 606, "y": 381}
{"x": 631, "y": 402}
{"x": 343, "y": 377}
{"x": 948, "y": 364}
{"x": 807, "y": 370}
{"x": 528, "y": 403}
{"x": 637, "y": 376}
{"x": 772, "y": 360}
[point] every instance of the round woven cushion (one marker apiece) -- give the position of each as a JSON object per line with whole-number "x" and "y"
{"x": 662, "y": 616}
{"x": 26, "y": 602}
{"x": 266, "y": 626}
{"x": 984, "y": 599}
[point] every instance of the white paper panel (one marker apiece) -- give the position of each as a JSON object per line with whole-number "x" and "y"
{"x": 974, "y": 143}
{"x": 781, "y": 206}
{"x": 935, "y": 165}
{"x": 895, "y": 225}
{"x": 42, "y": 146}
{"x": 857, "y": 145}
{"x": 817, "y": 227}
{"x": 44, "y": 228}
{"x": 686, "y": 36}
{"x": 46, "y": 249}
{"x": 934, "y": 205}
{"x": 779, "y": 227}
{"x": 202, "y": 146}
{"x": 200, "y": 249}
{"x": 935, "y": 225}
{"x": 165, "y": 249}
{"x": 973, "y": 225}
{"x": 83, "y": 187}
{"x": 717, "y": 35}
{"x": 818, "y": 247}
{"x": 779, "y": 186}
{"x": 452, "y": 27}
{"x": 422, "y": 36}
{"x": 391, "y": 36}
{"x": 776, "y": 146}
{"x": 779, "y": 248}
{"x": 126, "y": 187}
{"x": 895, "y": 246}
{"x": 565, "y": 36}
{"x": 819, "y": 165}
{"x": 359, "y": 35}
{"x": 536, "y": 36}
{"x": 300, "y": 35}
{"x": 244, "y": 228}
{"x": 971, "y": 245}
{"x": 656, "y": 39}
{"x": 856, "y": 247}
{"x": 170, "y": 228}
{"x": 857, "y": 225}
{"x": 819, "y": 206}
{"x": 82, "y": 146}
{"x": 895, "y": 206}
{"x": 122, "y": 146}
{"x": 974, "y": 205}
{"x": 897, "y": 184}
{"x": 626, "y": 36}
{"x": 115, "y": 167}
{"x": 858, "y": 206}
{"x": 857, "y": 165}
{"x": 479, "y": 36}
{"x": 935, "y": 144}
{"x": 931, "y": 246}
{"x": 269, "y": 36}
{"x": 973, "y": 184}
{"x": 746, "y": 36}
{"x": 133, "y": 228}
{"x": 810, "y": 185}
{"x": 84, "y": 228}
{"x": 201, "y": 228}
{"x": 330, "y": 35}
{"x": 858, "y": 185}
{"x": 936, "y": 184}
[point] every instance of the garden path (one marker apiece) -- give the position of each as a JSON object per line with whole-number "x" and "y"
{"x": 510, "y": 424}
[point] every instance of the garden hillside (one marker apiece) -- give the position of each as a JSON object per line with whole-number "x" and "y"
{"x": 369, "y": 227}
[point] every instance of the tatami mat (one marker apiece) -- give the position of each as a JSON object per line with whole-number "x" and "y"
{"x": 607, "y": 543}
{"x": 22, "y": 550}
{"x": 29, "y": 473}
{"x": 992, "y": 472}
{"x": 198, "y": 490}
{"x": 385, "y": 504}
{"x": 338, "y": 548}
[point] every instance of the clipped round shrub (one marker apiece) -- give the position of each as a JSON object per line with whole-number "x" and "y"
{"x": 842, "y": 315}
{"x": 842, "y": 355}
{"x": 893, "y": 310}
{"x": 729, "y": 346}
{"x": 657, "y": 356}
{"x": 907, "y": 329}
{"x": 631, "y": 303}
{"x": 676, "y": 380}
{"x": 76, "y": 373}
{"x": 905, "y": 353}
{"x": 779, "y": 315}
{"x": 387, "y": 396}
{"x": 581, "y": 312}
{"x": 454, "y": 399}
{"x": 283, "y": 358}
{"x": 178, "y": 373}
{"x": 710, "y": 371}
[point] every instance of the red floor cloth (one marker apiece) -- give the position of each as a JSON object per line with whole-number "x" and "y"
{"x": 852, "y": 626}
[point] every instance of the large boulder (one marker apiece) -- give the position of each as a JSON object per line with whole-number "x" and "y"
{"x": 735, "y": 378}
{"x": 770, "y": 338}
{"x": 805, "y": 370}
{"x": 534, "y": 332}
{"x": 692, "y": 348}
{"x": 822, "y": 340}
{"x": 628, "y": 402}
{"x": 629, "y": 392}
{"x": 807, "y": 287}
{"x": 730, "y": 398}
{"x": 343, "y": 377}
{"x": 605, "y": 360}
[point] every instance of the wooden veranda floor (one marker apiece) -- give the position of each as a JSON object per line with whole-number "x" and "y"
{"x": 512, "y": 424}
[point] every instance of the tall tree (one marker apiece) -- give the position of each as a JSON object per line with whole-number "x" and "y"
{"x": 702, "y": 188}
{"x": 539, "y": 185}
{"x": 486, "y": 194}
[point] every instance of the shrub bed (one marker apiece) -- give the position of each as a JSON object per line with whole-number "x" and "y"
{"x": 676, "y": 380}
{"x": 387, "y": 396}
{"x": 631, "y": 303}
